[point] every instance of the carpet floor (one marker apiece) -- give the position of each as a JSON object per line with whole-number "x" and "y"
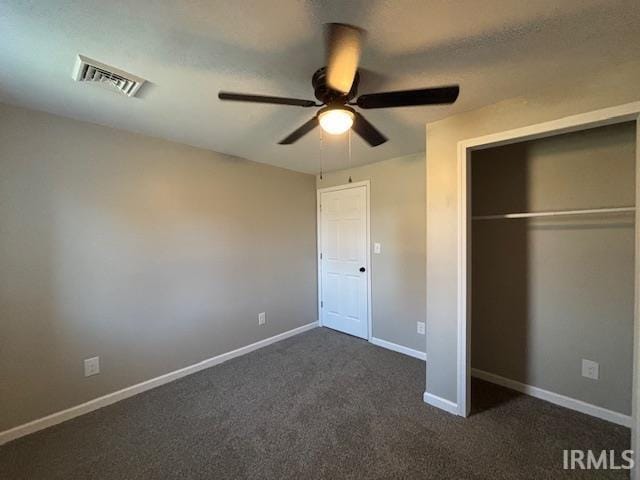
{"x": 318, "y": 405}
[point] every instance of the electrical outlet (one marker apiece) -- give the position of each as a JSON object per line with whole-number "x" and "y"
{"x": 262, "y": 318}
{"x": 91, "y": 366}
{"x": 590, "y": 369}
{"x": 420, "y": 328}
{"x": 377, "y": 248}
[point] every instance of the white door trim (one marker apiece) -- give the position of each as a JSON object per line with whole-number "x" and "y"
{"x": 635, "y": 392}
{"x": 597, "y": 118}
{"x": 319, "y": 192}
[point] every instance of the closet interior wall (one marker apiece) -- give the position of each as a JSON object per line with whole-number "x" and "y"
{"x": 548, "y": 292}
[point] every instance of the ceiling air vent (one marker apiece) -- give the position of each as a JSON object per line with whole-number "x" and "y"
{"x": 89, "y": 70}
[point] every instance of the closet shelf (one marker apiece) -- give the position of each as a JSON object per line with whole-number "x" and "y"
{"x": 559, "y": 213}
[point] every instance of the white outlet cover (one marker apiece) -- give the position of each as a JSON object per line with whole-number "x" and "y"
{"x": 262, "y": 318}
{"x": 377, "y": 248}
{"x": 421, "y": 327}
{"x": 91, "y": 366}
{"x": 590, "y": 369}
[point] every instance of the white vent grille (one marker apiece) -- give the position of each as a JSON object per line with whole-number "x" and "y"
{"x": 88, "y": 70}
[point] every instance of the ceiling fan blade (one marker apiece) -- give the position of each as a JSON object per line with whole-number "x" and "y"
{"x": 343, "y": 45}
{"x": 300, "y": 132}
{"x": 241, "y": 97}
{"x": 368, "y": 132}
{"x": 408, "y": 98}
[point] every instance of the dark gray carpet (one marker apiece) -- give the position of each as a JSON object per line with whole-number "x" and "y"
{"x": 319, "y": 405}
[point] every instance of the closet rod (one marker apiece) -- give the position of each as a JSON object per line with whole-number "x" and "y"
{"x": 558, "y": 213}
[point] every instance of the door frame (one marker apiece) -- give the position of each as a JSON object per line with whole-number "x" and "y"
{"x": 584, "y": 121}
{"x": 319, "y": 192}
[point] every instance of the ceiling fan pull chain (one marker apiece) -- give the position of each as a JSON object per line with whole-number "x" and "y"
{"x": 349, "y": 140}
{"x": 321, "y": 148}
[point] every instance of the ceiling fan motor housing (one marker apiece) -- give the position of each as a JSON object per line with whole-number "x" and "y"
{"x": 326, "y": 94}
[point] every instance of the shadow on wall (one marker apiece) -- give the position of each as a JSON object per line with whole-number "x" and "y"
{"x": 500, "y": 258}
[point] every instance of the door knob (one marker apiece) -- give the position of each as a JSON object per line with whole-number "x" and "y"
{"x": 362, "y": 269}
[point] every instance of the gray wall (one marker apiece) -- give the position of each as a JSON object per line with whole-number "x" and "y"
{"x": 398, "y": 224}
{"x": 556, "y": 100}
{"x": 547, "y": 293}
{"x": 150, "y": 254}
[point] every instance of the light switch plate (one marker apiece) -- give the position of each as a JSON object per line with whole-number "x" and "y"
{"x": 590, "y": 369}
{"x": 91, "y": 366}
{"x": 377, "y": 248}
{"x": 421, "y": 327}
{"x": 262, "y": 318}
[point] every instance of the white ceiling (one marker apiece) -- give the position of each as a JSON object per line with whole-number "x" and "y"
{"x": 188, "y": 50}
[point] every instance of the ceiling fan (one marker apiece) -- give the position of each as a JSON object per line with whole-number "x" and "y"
{"x": 336, "y": 86}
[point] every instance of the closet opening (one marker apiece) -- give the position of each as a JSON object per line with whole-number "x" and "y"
{"x": 606, "y": 212}
{"x": 552, "y": 270}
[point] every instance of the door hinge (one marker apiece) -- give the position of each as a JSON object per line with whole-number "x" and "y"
{"x": 321, "y": 304}
{"x": 320, "y": 255}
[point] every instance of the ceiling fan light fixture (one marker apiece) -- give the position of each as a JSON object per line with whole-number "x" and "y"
{"x": 336, "y": 120}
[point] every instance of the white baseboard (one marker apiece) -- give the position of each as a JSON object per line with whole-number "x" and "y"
{"x": 399, "y": 348}
{"x": 110, "y": 398}
{"x": 442, "y": 403}
{"x": 555, "y": 398}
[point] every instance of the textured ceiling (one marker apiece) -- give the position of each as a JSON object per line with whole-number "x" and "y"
{"x": 495, "y": 49}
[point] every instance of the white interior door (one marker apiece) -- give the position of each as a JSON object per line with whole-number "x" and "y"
{"x": 344, "y": 289}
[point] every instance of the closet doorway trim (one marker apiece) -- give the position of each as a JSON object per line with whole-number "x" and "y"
{"x": 584, "y": 121}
